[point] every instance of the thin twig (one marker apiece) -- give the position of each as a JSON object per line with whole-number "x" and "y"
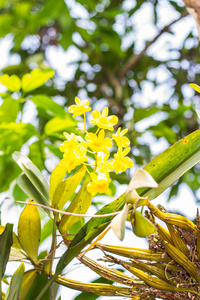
{"x": 136, "y": 57}
{"x": 69, "y": 213}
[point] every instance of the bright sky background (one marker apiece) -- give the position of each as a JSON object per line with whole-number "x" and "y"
{"x": 61, "y": 62}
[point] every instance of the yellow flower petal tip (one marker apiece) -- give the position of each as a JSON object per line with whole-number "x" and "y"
{"x": 79, "y": 108}
{"x": 102, "y": 120}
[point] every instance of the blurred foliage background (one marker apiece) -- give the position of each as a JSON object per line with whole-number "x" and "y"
{"x": 137, "y": 57}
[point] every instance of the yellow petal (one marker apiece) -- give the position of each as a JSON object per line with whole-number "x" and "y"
{"x": 105, "y": 112}
{"x": 96, "y": 114}
{"x": 126, "y": 151}
{"x": 113, "y": 119}
{"x": 78, "y": 101}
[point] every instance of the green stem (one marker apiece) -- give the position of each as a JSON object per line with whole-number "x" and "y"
{"x": 45, "y": 288}
{"x": 84, "y": 123}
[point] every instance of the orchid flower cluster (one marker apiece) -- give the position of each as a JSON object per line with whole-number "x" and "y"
{"x": 76, "y": 148}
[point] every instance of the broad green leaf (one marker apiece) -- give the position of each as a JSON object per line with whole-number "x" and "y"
{"x": 47, "y": 107}
{"x": 33, "y": 174}
{"x": 15, "y": 284}
{"x": 195, "y": 87}
{"x": 142, "y": 227}
{"x": 35, "y": 79}
{"x": 13, "y": 83}
{"x": 37, "y": 154}
{"x": 26, "y": 185}
{"x": 8, "y": 172}
{"x": 141, "y": 113}
{"x": 171, "y": 164}
{"x": 6, "y": 241}
{"x": 9, "y": 105}
{"x": 14, "y": 135}
{"x": 27, "y": 281}
{"x": 59, "y": 125}
{"x": 29, "y": 230}
{"x": 163, "y": 130}
{"x": 55, "y": 150}
{"x": 79, "y": 205}
{"x": 16, "y": 243}
{"x": 37, "y": 285}
{"x": 65, "y": 189}
{"x": 18, "y": 194}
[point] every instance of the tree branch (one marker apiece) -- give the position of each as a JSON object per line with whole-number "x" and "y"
{"x": 136, "y": 57}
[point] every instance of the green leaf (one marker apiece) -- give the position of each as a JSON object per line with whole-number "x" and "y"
{"x": 33, "y": 174}
{"x": 65, "y": 189}
{"x": 37, "y": 154}
{"x": 6, "y": 241}
{"x": 15, "y": 284}
{"x": 141, "y": 113}
{"x": 47, "y": 106}
{"x": 13, "y": 83}
{"x": 29, "y": 230}
{"x": 79, "y": 205}
{"x": 171, "y": 164}
{"x": 27, "y": 281}
{"x": 15, "y": 243}
{"x": 142, "y": 227}
{"x": 37, "y": 285}
{"x": 26, "y": 185}
{"x": 14, "y": 135}
{"x": 9, "y": 105}
{"x": 8, "y": 172}
{"x": 35, "y": 79}
{"x": 59, "y": 125}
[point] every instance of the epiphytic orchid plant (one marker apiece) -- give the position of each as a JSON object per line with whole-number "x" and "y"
{"x": 84, "y": 172}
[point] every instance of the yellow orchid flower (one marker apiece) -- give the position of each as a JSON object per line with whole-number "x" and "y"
{"x": 121, "y": 163}
{"x": 75, "y": 150}
{"x": 80, "y": 108}
{"x": 102, "y": 120}
{"x": 121, "y": 140}
{"x": 98, "y": 143}
{"x": 99, "y": 183}
{"x": 103, "y": 164}
{"x": 75, "y": 157}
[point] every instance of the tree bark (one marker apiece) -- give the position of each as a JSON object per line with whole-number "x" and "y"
{"x": 193, "y": 7}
